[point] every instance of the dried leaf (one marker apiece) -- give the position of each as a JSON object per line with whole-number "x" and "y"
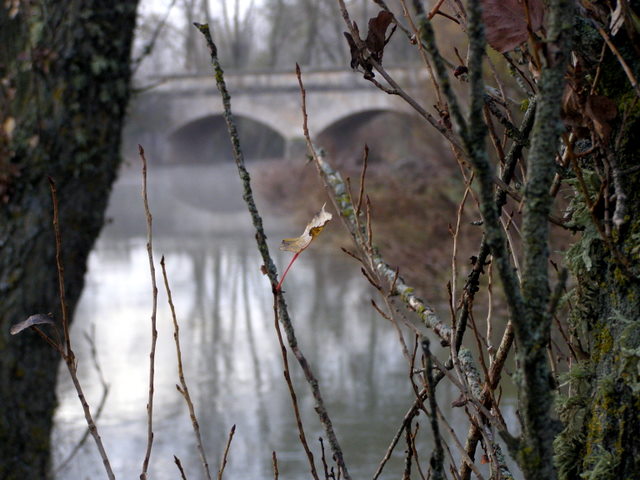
{"x": 37, "y": 319}
{"x": 312, "y": 230}
{"x": 601, "y": 110}
{"x": 572, "y": 106}
{"x": 505, "y": 22}
{"x": 377, "y": 34}
{"x": 353, "y": 49}
{"x": 617, "y": 18}
{"x": 357, "y": 59}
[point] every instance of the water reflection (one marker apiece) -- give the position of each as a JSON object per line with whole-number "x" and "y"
{"x": 230, "y": 351}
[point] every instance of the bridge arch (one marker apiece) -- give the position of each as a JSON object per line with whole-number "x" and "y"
{"x": 200, "y": 140}
{"x": 389, "y": 133}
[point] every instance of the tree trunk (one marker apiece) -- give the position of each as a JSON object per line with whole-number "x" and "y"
{"x": 65, "y": 82}
{"x": 601, "y": 439}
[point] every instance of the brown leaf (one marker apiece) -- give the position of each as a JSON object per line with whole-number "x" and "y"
{"x": 601, "y": 110}
{"x": 353, "y": 49}
{"x": 572, "y": 106}
{"x": 357, "y": 59}
{"x": 37, "y": 319}
{"x": 377, "y": 34}
{"x": 505, "y": 22}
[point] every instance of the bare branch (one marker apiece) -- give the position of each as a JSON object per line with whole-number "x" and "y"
{"x": 154, "y": 309}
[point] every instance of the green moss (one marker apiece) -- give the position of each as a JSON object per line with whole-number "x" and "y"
{"x": 603, "y": 343}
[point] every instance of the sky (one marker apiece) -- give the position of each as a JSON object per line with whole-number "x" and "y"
{"x": 161, "y": 6}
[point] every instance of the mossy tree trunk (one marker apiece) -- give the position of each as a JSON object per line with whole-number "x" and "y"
{"x": 601, "y": 439}
{"x": 65, "y": 86}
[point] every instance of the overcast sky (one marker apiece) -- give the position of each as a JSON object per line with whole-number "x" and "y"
{"x": 161, "y": 6}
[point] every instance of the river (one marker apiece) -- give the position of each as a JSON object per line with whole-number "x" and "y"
{"x": 230, "y": 351}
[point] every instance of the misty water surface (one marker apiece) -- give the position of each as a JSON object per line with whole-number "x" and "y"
{"x": 230, "y": 350}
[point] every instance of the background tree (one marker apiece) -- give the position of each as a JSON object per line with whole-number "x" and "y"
{"x": 65, "y": 73}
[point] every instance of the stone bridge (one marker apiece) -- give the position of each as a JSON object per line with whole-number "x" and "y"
{"x": 178, "y": 104}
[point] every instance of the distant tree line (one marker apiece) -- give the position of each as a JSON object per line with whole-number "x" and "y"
{"x": 273, "y": 35}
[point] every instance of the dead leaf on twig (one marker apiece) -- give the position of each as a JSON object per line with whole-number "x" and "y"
{"x": 298, "y": 244}
{"x": 311, "y": 231}
{"x": 37, "y": 319}
{"x": 506, "y": 24}
{"x": 377, "y": 34}
{"x": 375, "y": 42}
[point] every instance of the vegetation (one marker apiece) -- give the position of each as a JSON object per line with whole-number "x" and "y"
{"x": 538, "y": 105}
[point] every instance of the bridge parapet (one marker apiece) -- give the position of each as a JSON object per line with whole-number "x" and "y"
{"x": 272, "y": 99}
{"x": 261, "y": 81}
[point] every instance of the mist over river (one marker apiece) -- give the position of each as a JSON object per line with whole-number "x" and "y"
{"x": 230, "y": 350}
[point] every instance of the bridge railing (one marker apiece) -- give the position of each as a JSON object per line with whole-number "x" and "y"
{"x": 261, "y": 80}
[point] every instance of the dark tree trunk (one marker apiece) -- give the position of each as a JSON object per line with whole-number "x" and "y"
{"x": 601, "y": 439}
{"x": 65, "y": 85}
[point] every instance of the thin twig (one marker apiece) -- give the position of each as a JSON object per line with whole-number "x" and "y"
{"x": 325, "y": 467}
{"x": 294, "y": 397}
{"x": 60, "y": 268}
{"x": 274, "y": 463}
{"x": 226, "y": 452}
{"x": 154, "y": 309}
{"x": 68, "y": 355}
{"x": 183, "y": 388}
{"x": 414, "y": 435}
{"x": 103, "y": 399}
{"x": 627, "y": 70}
{"x": 178, "y": 463}
{"x": 428, "y": 37}
{"x": 148, "y": 48}
{"x": 365, "y": 161}
{"x": 405, "y": 421}
{"x": 437, "y": 458}
{"x": 408, "y": 456}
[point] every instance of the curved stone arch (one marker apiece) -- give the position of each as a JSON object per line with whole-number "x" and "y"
{"x": 264, "y": 110}
{"x": 209, "y": 134}
{"x": 389, "y": 133}
{"x": 347, "y": 103}
{"x": 364, "y": 114}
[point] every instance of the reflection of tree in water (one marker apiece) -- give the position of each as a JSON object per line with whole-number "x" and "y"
{"x": 223, "y": 306}
{"x": 232, "y": 358}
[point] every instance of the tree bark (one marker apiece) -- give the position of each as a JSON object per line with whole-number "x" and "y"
{"x": 601, "y": 439}
{"x": 65, "y": 82}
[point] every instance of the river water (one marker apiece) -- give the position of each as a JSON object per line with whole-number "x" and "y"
{"x": 230, "y": 351}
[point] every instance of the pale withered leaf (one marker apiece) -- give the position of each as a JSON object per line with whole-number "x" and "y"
{"x": 37, "y": 319}
{"x": 312, "y": 230}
